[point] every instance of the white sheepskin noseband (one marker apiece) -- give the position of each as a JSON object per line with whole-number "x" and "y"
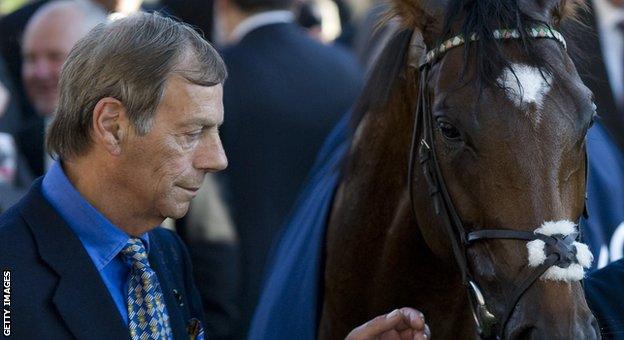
{"x": 537, "y": 253}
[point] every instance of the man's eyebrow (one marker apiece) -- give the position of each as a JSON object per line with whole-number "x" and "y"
{"x": 202, "y": 122}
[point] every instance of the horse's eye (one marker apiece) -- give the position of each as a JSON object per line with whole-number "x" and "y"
{"x": 448, "y": 130}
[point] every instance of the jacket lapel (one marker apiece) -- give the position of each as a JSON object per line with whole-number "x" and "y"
{"x": 81, "y": 297}
{"x": 159, "y": 250}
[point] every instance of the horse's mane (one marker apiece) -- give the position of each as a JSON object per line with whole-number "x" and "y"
{"x": 476, "y": 16}
{"x": 388, "y": 67}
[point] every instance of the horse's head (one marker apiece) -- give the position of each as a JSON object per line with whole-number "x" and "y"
{"x": 508, "y": 122}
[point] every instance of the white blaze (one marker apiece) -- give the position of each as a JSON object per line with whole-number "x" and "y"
{"x": 526, "y": 85}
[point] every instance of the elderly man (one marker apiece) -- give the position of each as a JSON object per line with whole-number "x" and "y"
{"x": 47, "y": 41}
{"x": 135, "y": 131}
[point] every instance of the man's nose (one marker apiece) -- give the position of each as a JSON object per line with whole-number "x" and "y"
{"x": 211, "y": 156}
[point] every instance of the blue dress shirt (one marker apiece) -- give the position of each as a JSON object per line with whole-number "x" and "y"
{"x": 102, "y": 240}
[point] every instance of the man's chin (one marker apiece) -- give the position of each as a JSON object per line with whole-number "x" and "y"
{"x": 180, "y": 210}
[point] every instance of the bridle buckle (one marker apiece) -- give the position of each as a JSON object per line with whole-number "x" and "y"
{"x": 485, "y": 321}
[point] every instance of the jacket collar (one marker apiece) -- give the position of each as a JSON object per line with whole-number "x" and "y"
{"x": 82, "y": 299}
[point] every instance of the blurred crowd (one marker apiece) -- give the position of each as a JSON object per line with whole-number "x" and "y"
{"x": 294, "y": 68}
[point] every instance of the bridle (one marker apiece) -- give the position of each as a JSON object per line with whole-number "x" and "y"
{"x": 559, "y": 249}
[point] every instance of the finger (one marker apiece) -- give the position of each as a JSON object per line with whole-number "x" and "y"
{"x": 377, "y": 326}
{"x": 414, "y": 318}
{"x": 390, "y": 335}
{"x": 407, "y": 334}
{"x": 423, "y": 335}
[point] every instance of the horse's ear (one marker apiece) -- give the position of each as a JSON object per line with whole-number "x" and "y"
{"x": 417, "y": 49}
{"x": 426, "y": 16}
{"x": 556, "y": 11}
{"x": 568, "y": 10}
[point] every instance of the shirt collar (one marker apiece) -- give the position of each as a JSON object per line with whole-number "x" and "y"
{"x": 609, "y": 15}
{"x": 102, "y": 239}
{"x": 258, "y": 20}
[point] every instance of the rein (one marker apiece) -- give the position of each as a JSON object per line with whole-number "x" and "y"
{"x": 559, "y": 249}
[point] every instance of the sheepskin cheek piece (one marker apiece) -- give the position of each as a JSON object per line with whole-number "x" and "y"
{"x": 537, "y": 253}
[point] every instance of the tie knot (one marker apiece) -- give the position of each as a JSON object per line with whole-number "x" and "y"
{"x": 134, "y": 253}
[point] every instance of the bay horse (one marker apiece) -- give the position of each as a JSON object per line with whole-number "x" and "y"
{"x": 466, "y": 167}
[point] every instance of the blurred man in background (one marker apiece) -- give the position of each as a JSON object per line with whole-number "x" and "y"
{"x": 12, "y": 27}
{"x": 284, "y": 94}
{"x": 49, "y": 36}
{"x": 14, "y": 174}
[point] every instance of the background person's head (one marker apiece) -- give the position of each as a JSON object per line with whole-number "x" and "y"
{"x": 140, "y": 103}
{"x": 48, "y": 38}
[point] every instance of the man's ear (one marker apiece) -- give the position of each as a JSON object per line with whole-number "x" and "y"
{"x": 110, "y": 124}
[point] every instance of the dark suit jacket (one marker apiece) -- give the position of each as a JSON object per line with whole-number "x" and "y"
{"x": 283, "y": 95}
{"x": 30, "y": 139}
{"x": 603, "y": 290}
{"x": 56, "y": 291}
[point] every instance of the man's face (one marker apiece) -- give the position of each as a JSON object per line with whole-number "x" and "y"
{"x": 47, "y": 42}
{"x": 165, "y": 168}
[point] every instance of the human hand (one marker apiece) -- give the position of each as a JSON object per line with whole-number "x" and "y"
{"x": 400, "y": 324}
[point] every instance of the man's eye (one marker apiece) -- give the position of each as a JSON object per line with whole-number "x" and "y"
{"x": 192, "y": 136}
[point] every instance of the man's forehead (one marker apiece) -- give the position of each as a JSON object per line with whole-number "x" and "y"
{"x": 194, "y": 104}
{"x": 177, "y": 86}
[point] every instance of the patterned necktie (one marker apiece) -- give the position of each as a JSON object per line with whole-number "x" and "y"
{"x": 147, "y": 313}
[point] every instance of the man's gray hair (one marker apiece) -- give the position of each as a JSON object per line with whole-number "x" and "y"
{"x": 129, "y": 59}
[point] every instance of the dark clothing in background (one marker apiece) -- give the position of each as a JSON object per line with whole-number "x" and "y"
{"x": 10, "y": 122}
{"x": 11, "y": 118}
{"x": 603, "y": 290}
{"x": 26, "y": 128}
{"x": 30, "y": 142}
{"x": 216, "y": 268}
{"x": 57, "y": 292}
{"x": 283, "y": 95}
{"x": 605, "y": 145}
{"x": 11, "y": 29}
{"x": 198, "y": 13}
{"x": 593, "y": 72}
